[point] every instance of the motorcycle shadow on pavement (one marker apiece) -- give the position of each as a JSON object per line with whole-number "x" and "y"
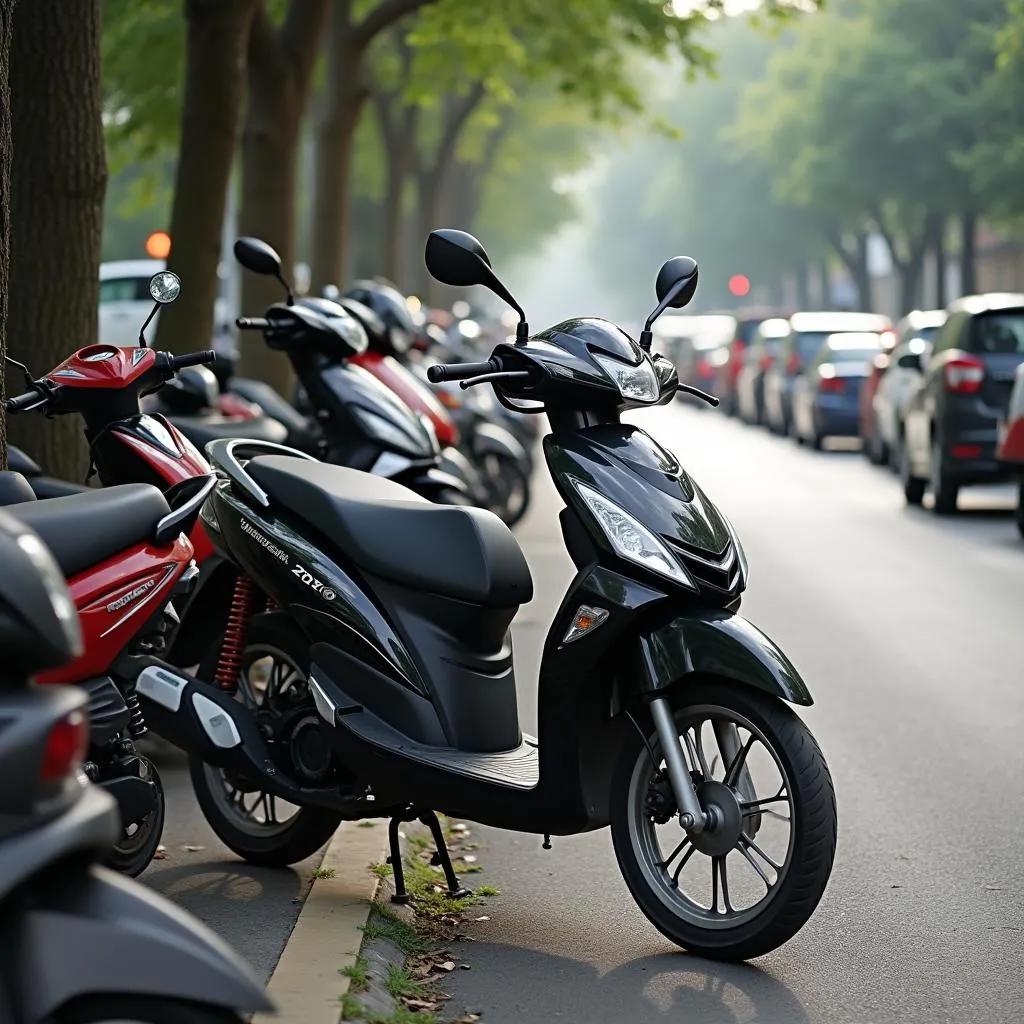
{"x": 509, "y": 983}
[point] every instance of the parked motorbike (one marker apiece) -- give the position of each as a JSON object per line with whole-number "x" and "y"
{"x": 81, "y": 945}
{"x": 384, "y": 632}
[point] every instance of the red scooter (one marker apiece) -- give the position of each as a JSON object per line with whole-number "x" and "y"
{"x": 126, "y": 555}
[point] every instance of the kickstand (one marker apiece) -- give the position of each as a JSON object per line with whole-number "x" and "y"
{"x": 440, "y": 857}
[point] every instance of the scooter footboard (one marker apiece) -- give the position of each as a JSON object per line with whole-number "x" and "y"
{"x": 91, "y": 932}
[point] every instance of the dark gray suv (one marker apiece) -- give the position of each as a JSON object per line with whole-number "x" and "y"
{"x": 952, "y": 413}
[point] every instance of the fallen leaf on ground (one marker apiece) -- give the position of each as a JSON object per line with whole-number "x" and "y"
{"x": 161, "y": 854}
{"x": 193, "y": 849}
{"x": 484, "y": 917}
{"x": 448, "y": 965}
{"x": 464, "y": 967}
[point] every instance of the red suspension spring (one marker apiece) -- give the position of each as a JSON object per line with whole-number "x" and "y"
{"x": 230, "y": 662}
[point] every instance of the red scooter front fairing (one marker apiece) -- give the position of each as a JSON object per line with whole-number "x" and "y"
{"x": 390, "y": 372}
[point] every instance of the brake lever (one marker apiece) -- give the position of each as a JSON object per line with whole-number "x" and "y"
{"x": 486, "y": 378}
{"x": 697, "y": 393}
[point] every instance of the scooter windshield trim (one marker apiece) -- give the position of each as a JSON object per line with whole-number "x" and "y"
{"x": 631, "y": 539}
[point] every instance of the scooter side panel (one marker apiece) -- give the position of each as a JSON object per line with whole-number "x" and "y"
{"x": 116, "y": 598}
{"x": 93, "y": 932}
{"x": 318, "y": 592}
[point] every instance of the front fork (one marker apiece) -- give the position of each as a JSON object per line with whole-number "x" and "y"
{"x": 692, "y": 816}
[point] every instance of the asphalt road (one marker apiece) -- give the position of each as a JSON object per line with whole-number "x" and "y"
{"x": 907, "y": 628}
{"x": 253, "y": 908}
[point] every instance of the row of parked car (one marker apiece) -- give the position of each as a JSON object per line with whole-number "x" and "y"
{"x": 938, "y": 397}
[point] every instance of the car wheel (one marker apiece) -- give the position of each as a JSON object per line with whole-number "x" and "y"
{"x": 913, "y": 486}
{"x": 945, "y": 488}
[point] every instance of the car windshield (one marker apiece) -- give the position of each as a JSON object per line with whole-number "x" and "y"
{"x": 808, "y": 344}
{"x": 125, "y": 289}
{"x": 998, "y": 333}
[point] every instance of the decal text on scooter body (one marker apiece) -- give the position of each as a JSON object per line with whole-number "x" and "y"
{"x": 264, "y": 542}
{"x": 311, "y": 581}
{"x": 136, "y": 592}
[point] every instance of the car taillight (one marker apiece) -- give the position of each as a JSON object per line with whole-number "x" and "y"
{"x": 793, "y": 363}
{"x": 964, "y": 375}
{"x": 766, "y": 362}
{"x": 705, "y": 370}
{"x": 833, "y": 384}
{"x": 65, "y": 748}
{"x": 736, "y": 357}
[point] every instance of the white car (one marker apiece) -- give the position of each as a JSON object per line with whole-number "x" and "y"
{"x": 125, "y": 303}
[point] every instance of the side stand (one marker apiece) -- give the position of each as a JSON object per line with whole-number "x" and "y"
{"x": 440, "y": 858}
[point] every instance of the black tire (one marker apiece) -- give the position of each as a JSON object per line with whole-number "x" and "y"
{"x": 813, "y": 837}
{"x": 142, "y": 1009}
{"x": 515, "y": 480}
{"x": 310, "y": 827}
{"x": 816, "y": 441}
{"x": 945, "y": 489}
{"x": 913, "y": 486}
{"x": 1020, "y": 509}
{"x": 133, "y": 854}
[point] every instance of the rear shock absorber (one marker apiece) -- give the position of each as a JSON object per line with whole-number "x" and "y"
{"x": 229, "y": 664}
{"x": 136, "y": 721}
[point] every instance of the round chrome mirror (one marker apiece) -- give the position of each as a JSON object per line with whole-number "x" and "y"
{"x": 165, "y": 287}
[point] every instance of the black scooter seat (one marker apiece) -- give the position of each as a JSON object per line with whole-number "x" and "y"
{"x": 390, "y": 531}
{"x": 83, "y": 530}
{"x": 201, "y": 430}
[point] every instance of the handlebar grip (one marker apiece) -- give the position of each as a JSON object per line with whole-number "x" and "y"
{"x": 253, "y": 323}
{"x": 26, "y": 401}
{"x": 193, "y": 359}
{"x": 440, "y": 372}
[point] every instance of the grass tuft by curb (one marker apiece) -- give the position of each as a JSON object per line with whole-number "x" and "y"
{"x": 419, "y": 931}
{"x": 324, "y": 873}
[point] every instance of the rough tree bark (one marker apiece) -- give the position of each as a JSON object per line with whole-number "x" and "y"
{"x": 58, "y": 183}
{"x": 907, "y": 259}
{"x": 217, "y": 36}
{"x": 346, "y": 92}
{"x": 6, "y": 20}
{"x": 968, "y": 254}
{"x": 279, "y": 74}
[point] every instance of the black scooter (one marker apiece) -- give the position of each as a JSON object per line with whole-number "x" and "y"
{"x": 79, "y": 942}
{"x": 662, "y": 712}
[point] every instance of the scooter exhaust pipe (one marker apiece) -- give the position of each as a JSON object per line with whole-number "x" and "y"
{"x": 204, "y": 720}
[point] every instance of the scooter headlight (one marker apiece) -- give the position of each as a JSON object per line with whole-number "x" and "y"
{"x": 631, "y": 539}
{"x": 639, "y": 383}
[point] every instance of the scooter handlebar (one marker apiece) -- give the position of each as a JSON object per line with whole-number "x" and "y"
{"x": 26, "y": 401}
{"x": 253, "y": 323}
{"x": 193, "y": 359}
{"x": 440, "y": 372}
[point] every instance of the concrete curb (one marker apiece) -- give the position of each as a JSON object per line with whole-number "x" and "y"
{"x": 306, "y": 985}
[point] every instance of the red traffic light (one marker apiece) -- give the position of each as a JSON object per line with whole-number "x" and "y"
{"x": 739, "y": 285}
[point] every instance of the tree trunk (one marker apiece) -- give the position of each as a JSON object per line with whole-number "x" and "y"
{"x": 968, "y": 254}
{"x": 939, "y": 251}
{"x": 825, "y": 278}
{"x": 6, "y": 20}
{"x": 803, "y": 287}
{"x": 58, "y": 183}
{"x": 397, "y": 134}
{"x": 279, "y": 76}
{"x": 217, "y": 36}
{"x": 855, "y": 259}
{"x": 346, "y": 92}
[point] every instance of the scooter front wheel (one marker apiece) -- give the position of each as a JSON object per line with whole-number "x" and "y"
{"x": 749, "y": 882}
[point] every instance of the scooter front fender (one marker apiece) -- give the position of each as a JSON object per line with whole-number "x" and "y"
{"x": 719, "y": 644}
{"x": 93, "y": 932}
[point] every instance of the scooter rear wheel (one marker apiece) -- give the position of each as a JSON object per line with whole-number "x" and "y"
{"x": 255, "y": 832}
{"x": 134, "y": 851}
{"x": 106, "y": 1009}
{"x": 724, "y": 894}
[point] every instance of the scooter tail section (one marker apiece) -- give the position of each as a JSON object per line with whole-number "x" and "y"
{"x": 84, "y": 927}
{"x": 719, "y": 644}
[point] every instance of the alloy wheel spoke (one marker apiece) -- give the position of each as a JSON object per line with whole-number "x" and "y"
{"x": 739, "y": 761}
{"x": 682, "y": 864}
{"x": 696, "y": 748}
{"x": 742, "y": 847}
{"x": 757, "y": 849}
{"x": 718, "y": 867}
{"x": 675, "y": 853}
